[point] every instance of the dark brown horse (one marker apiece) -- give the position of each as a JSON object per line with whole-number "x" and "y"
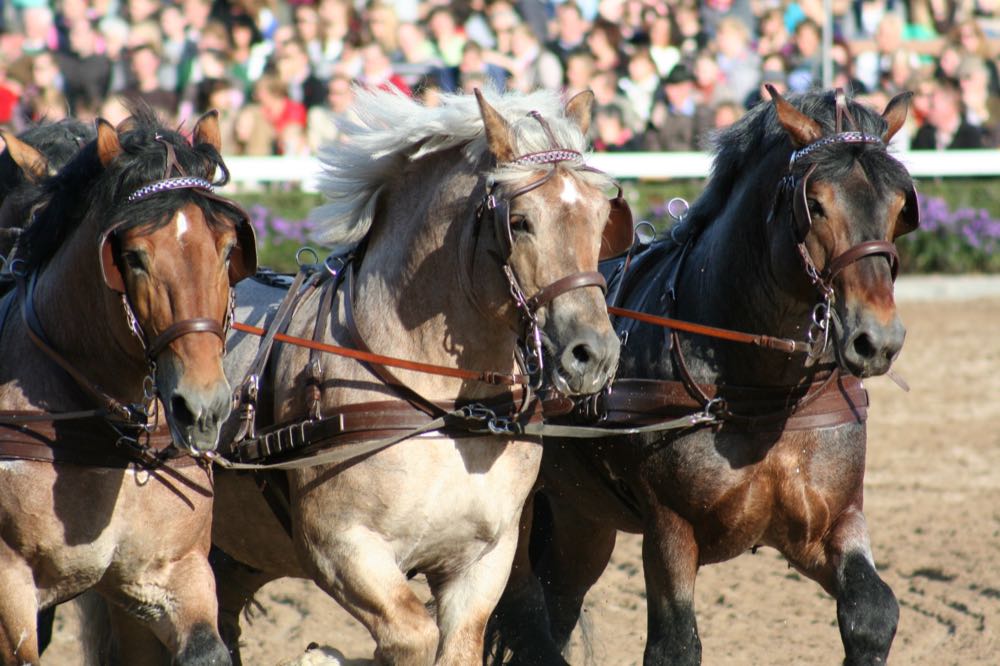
{"x": 122, "y": 296}
{"x": 793, "y": 238}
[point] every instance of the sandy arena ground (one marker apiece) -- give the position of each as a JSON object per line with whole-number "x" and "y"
{"x": 932, "y": 503}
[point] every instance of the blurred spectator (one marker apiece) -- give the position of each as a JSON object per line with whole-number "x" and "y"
{"x": 708, "y": 79}
{"x": 248, "y": 54}
{"x": 415, "y": 60}
{"x": 570, "y": 32}
{"x": 773, "y": 74}
{"x": 772, "y": 35}
{"x": 384, "y": 26}
{"x": 445, "y": 34}
{"x": 532, "y": 65}
{"x": 377, "y": 71}
{"x": 690, "y": 37}
{"x": 226, "y": 97}
{"x": 969, "y": 37}
{"x": 611, "y": 131}
{"x": 946, "y": 126}
{"x": 604, "y": 43}
{"x": 738, "y": 62}
{"x": 145, "y": 62}
{"x": 726, "y": 113}
{"x": 10, "y": 93}
{"x": 661, "y": 47}
{"x": 322, "y": 119}
{"x": 474, "y": 66}
{"x": 43, "y": 97}
{"x": 607, "y": 93}
{"x": 580, "y": 71}
{"x": 641, "y": 83}
{"x": 294, "y": 68}
{"x": 286, "y": 116}
{"x": 804, "y": 61}
{"x": 337, "y": 18}
{"x": 86, "y": 73}
{"x": 981, "y": 108}
{"x": 873, "y": 65}
{"x": 678, "y": 121}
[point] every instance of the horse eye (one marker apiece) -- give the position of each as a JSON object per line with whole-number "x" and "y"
{"x": 520, "y": 224}
{"x": 135, "y": 261}
{"x": 815, "y": 208}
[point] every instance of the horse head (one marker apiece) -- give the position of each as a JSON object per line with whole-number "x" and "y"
{"x": 551, "y": 221}
{"x": 843, "y": 201}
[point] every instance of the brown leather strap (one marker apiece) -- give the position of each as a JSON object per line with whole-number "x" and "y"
{"x": 95, "y": 443}
{"x": 563, "y": 285}
{"x": 181, "y": 328}
{"x": 766, "y": 341}
{"x": 860, "y": 251}
{"x": 834, "y": 401}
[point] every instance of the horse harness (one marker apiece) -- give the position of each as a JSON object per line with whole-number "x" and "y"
{"x": 139, "y": 436}
{"x": 830, "y": 399}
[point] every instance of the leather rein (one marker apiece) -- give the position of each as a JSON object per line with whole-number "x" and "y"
{"x": 139, "y": 436}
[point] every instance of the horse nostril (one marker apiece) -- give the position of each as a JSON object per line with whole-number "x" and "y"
{"x": 582, "y": 354}
{"x": 864, "y": 347}
{"x": 181, "y": 411}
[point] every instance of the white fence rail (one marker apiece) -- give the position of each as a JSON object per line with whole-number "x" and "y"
{"x": 646, "y": 166}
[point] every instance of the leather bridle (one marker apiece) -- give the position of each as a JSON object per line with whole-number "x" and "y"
{"x": 494, "y": 211}
{"x": 793, "y": 190}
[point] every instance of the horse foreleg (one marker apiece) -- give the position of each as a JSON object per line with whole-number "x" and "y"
{"x": 670, "y": 565}
{"x": 18, "y": 611}
{"x": 520, "y": 622}
{"x": 236, "y": 585}
{"x": 465, "y": 601}
{"x": 867, "y": 610}
{"x": 574, "y": 555}
{"x": 179, "y": 605}
{"x": 360, "y": 571}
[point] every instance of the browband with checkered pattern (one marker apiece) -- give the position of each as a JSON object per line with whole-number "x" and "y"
{"x": 167, "y": 184}
{"x": 843, "y": 137}
{"x": 549, "y": 157}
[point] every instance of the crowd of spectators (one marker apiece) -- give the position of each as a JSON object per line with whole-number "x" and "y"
{"x": 664, "y": 72}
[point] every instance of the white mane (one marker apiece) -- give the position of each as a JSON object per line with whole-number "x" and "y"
{"x": 388, "y": 129}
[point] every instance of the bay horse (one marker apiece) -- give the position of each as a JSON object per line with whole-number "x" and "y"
{"x": 792, "y": 237}
{"x": 112, "y": 389}
{"x": 451, "y": 211}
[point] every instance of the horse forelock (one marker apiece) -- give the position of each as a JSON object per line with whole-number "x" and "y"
{"x": 387, "y": 131}
{"x": 758, "y": 147}
{"x": 84, "y": 186}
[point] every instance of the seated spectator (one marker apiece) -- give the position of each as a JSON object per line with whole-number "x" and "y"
{"x": 606, "y": 93}
{"x": 415, "y": 59}
{"x": 145, "y": 63}
{"x": 805, "y": 59}
{"x": 604, "y": 43}
{"x": 708, "y": 79}
{"x": 377, "y": 71}
{"x": 946, "y": 126}
{"x": 10, "y": 93}
{"x": 872, "y": 65}
{"x": 981, "y": 108}
{"x": 224, "y": 96}
{"x": 678, "y": 121}
{"x": 43, "y": 98}
{"x": 473, "y": 66}
{"x": 448, "y": 39}
{"x": 571, "y": 32}
{"x": 294, "y": 68}
{"x": 286, "y": 116}
{"x": 533, "y": 65}
{"x": 580, "y": 71}
{"x": 772, "y": 34}
{"x": 738, "y": 62}
{"x": 612, "y": 133}
{"x": 661, "y": 47}
{"x": 86, "y": 73}
{"x": 726, "y": 113}
{"x": 969, "y": 37}
{"x": 322, "y": 119}
{"x": 642, "y": 83}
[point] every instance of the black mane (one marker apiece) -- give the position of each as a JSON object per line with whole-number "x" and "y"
{"x": 758, "y": 145}
{"x": 58, "y": 142}
{"x": 84, "y": 187}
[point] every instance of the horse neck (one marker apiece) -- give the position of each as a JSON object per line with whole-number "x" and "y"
{"x": 84, "y": 321}
{"x": 729, "y": 280}
{"x": 409, "y": 300}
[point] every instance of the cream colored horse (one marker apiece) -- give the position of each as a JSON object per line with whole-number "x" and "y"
{"x": 407, "y": 181}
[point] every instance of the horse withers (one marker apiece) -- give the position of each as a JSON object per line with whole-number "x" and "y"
{"x": 110, "y": 375}
{"x": 792, "y": 238}
{"x": 476, "y": 230}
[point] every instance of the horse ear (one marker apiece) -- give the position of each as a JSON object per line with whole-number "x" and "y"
{"x": 108, "y": 146}
{"x": 580, "y": 108}
{"x": 497, "y": 131}
{"x": 31, "y": 162}
{"x": 206, "y": 130}
{"x": 802, "y": 129}
{"x": 895, "y": 114}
